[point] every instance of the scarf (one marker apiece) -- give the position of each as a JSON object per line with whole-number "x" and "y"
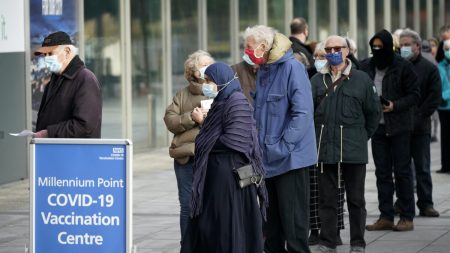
{"x": 231, "y": 121}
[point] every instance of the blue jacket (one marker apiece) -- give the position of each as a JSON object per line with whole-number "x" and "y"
{"x": 284, "y": 114}
{"x": 444, "y": 71}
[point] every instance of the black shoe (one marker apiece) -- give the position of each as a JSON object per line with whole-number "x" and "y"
{"x": 443, "y": 171}
{"x": 313, "y": 237}
{"x": 429, "y": 212}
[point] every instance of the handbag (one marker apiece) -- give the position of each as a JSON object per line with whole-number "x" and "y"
{"x": 246, "y": 176}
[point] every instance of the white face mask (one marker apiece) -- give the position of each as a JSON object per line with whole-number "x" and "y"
{"x": 52, "y": 63}
{"x": 202, "y": 72}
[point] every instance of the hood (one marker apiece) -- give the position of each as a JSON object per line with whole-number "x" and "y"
{"x": 281, "y": 44}
{"x": 385, "y": 37}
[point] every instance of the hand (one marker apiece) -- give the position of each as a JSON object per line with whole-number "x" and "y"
{"x": 197, "y": 115}
{"x": 388, "y": 108}
{"x": 41, "y": 134}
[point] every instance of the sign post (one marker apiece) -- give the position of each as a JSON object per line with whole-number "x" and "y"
{"x": 81, "y": 196}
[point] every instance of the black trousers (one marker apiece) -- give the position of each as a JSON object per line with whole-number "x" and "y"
{"x": 287, "y": 223}
{"x": 354, "y": 176}
{"x": 444, "y": 118}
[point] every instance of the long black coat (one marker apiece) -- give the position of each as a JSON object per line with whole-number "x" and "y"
{"x": 71, "y": 106}
{"x": 430, "y": 93}
{"x": 400, "y": 85}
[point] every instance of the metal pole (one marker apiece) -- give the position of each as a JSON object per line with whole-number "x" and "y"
{"x": 234, "y": 31}
{"x": 126, "y": 80}
{"x": 387, "y": 15}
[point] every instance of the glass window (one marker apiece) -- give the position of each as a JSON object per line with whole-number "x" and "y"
{"x": 102, "y": 56}
{"x": 363, "y": 39}
{"x": 301, "y": 9}
{"x": 343, "y": 17}
{"x": 323, "y": 19}
{"x": 184, "y": 38}
{"x": 248, "y": 17}
{"x": 147, "y": 90}
{"x": 276, "y": 15}
{"x": 219, "y": 29}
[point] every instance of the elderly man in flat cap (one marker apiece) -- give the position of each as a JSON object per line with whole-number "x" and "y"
{"x": 71, "y": 106}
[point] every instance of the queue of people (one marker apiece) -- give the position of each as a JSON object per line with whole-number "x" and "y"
{"x": 267, "y": 151}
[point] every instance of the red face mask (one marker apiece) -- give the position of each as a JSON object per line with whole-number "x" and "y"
{"x": 251, "y": 55}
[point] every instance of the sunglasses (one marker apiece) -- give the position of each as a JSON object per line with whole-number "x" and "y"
{"x": 336, "y": 49}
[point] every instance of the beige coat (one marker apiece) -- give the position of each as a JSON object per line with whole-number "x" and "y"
{"x": 178, "y": 121}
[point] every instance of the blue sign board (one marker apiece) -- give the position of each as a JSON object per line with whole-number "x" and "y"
{"x": 80, "y": 196}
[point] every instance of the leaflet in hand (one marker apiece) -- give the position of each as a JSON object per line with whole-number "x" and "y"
{"x": 25, "y": 132}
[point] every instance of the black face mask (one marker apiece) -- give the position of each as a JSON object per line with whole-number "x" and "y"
{"x": 382, "y": 57}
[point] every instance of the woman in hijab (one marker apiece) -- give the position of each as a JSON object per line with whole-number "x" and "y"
{"x": 225, "y": 217}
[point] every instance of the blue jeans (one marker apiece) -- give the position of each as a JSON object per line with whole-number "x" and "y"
{"x": 392, "y": 154}
{"x": 184, "y": 174}
{"x": 420, "y": 152}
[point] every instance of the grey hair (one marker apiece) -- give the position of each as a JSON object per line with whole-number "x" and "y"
{"x": 319, "y": 47}
{"x": 73, "y": 49}
{"x": 261, "y": 34}
{"x": 351, "y": 45}
{"x": 412, "y": 34}
{"x": 192, "y": 63}
{"x": 340, "y": 38}
{"x": 447, "y": 43}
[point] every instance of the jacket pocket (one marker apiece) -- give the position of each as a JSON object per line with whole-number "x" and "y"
{"x": 275, "y": 119}
{"x": 276, "y": 148}
{"x": 351, "y": 107}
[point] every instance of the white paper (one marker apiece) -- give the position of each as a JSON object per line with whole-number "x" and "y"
{"x": 206, "y": 104}
{"x": 25, "y": 132}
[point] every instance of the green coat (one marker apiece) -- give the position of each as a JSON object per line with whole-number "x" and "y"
{"x": 346, "y": 119}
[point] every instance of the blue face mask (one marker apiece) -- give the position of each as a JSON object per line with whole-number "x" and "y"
{"x": 319, "y": 64}
{"x": 334, "y": 58}
{"x": 248, "y": 60}
{"x": 447, "y": 54}
{"x": 52, "y": 63}
{"x": 208, "y": 90}
{"x": 406, "y": 52}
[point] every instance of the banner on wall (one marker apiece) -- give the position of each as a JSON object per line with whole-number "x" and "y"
{"x": 48, "y": 16}
{"x": 12, "y": 28}
{"x": 81, "y": 196}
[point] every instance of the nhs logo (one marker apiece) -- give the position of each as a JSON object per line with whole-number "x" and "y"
{"x": 118, "y": 150}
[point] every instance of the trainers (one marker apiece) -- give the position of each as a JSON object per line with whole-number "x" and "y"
{"x": 324, "y": 249}
{"x": 404, "y": 225}
{"x": 380, "y": 224}
{"x": 357, "y": 249}
{"x": 429, "y": 212}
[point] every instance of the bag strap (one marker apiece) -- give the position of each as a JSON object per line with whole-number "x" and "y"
{"x": 330, "y": 88}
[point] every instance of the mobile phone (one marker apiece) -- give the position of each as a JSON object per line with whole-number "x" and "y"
{"x": 384, "y": 101}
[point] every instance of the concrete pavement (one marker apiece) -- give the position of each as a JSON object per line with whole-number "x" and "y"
{"x": 156, "y": 210}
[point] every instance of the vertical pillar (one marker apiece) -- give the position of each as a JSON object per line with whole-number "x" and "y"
{"x": 312, "y": 22}
{"x": 429, "y": 19}
{"x": 353, "y": 20}
{"x": 402, "y": 15}
{"x": 387, "y": 15}
{"x": 262, "y": 12}
{"x": 234, "y": 31}
{"x": 126, "y": 82}
{"x": 333, "y": 17}
{"x": 416, "y": 15}
{"x": 370, "y": 18}
{"x": 288, "y": 15}
{"x": 166, "y": 55}
{"x": 202, "y": 24}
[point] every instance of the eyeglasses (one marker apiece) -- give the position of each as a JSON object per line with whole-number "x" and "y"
{"x": 336, "y": 49}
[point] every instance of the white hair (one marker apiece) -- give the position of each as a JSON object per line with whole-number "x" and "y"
{"x": 320, "y": 47}
{"x": 413, "y": 35}
{"x": 73, "y": 49}
{"x": 261, "y": 34}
